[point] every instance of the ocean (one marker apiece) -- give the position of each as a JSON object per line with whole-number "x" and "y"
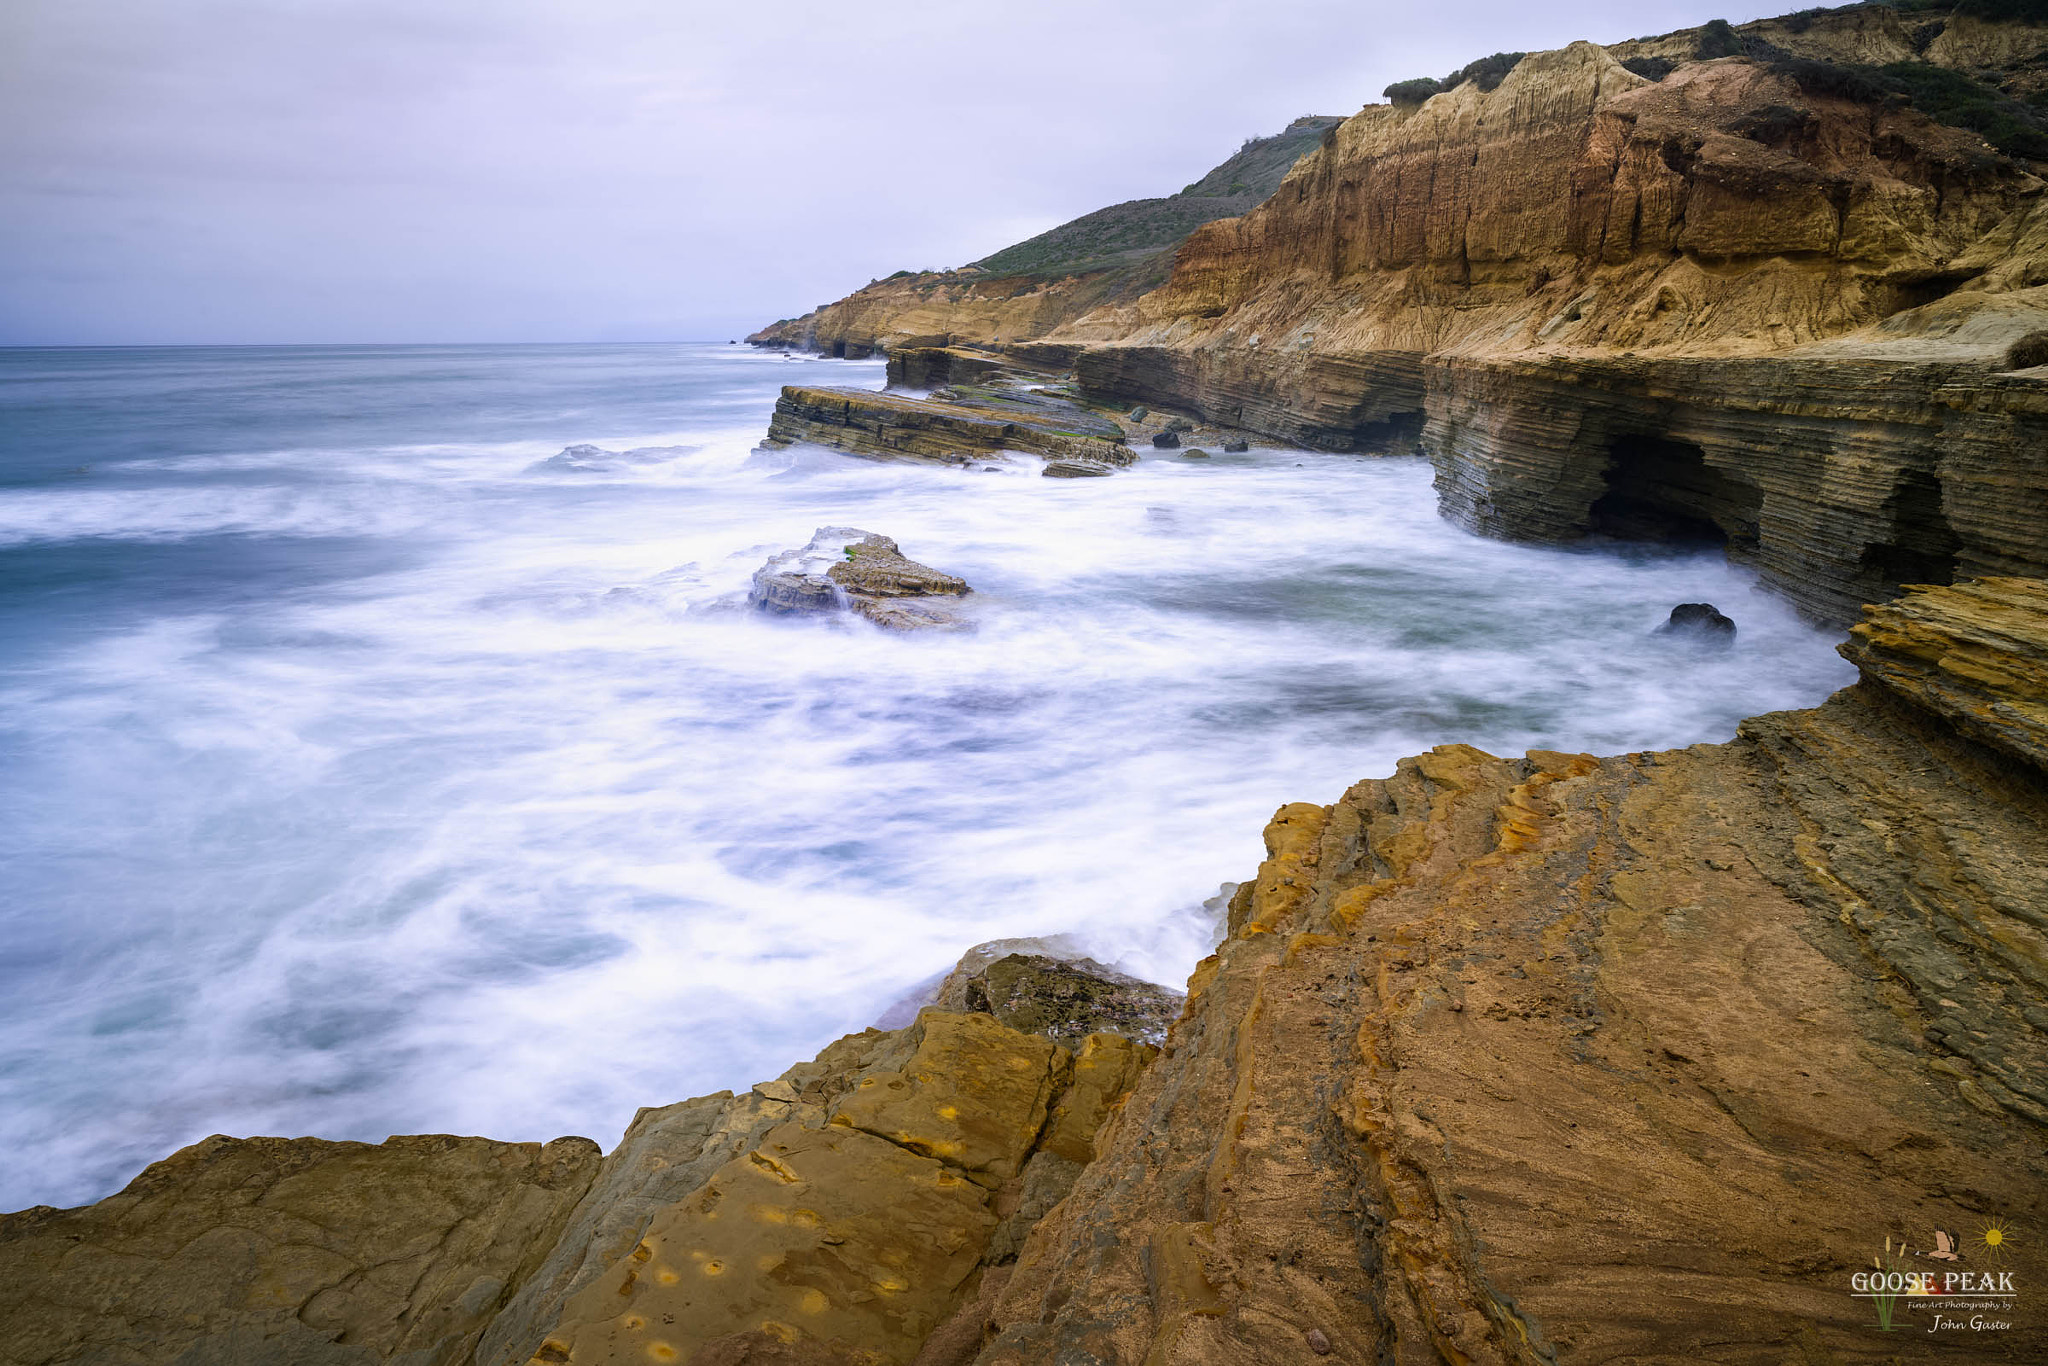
{"x": 364, "y": 769}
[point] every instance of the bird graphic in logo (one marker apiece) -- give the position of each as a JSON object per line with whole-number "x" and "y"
{"x": 1944, "y": 1249}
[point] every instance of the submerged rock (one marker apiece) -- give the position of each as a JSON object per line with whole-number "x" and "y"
{"x": 587, "y": 459}
{"x": 1074, "y": 469}
{"x": 1700, "y": 621}
{"x": 1194, "y": 453}
{"x": 859, "y": 571}
{"x": 1237, "y": 445}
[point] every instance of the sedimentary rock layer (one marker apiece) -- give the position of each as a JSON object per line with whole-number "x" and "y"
{"x": 890, "y": 426}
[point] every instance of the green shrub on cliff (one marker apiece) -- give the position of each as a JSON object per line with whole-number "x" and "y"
{"x": 1487, "y": 73}
{"x": 1412, "y": 92}
{"x": 1717, "y": 39}
{"x": 1123, "y": 236}
{"x": 1943, "y": 95}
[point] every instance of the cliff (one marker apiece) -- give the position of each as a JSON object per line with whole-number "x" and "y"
{"x": 1723, "y": 305}
{"x": 1558, "y": 1058}
{"x": 1025, "y": 291}
{"x": 1767, "y": 287}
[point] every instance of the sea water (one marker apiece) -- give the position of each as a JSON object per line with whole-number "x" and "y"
{"x": 363, "y": 770}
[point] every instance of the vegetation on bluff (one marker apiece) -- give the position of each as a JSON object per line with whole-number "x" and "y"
{"x": 1123, "y": 234}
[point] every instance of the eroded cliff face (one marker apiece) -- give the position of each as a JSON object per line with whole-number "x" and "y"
{"x": 1714, "y": 305}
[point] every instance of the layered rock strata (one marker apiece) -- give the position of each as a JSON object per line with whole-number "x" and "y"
{"x": 843, "y": 568}
{"x": 963, "y": 427}
{"x": 1716, "y": 304}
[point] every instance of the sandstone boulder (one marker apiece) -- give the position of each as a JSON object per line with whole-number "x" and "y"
{"x": 845, "y": 568}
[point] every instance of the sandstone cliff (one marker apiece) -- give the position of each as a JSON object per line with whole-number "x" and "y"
{"x": 1757, "y": 299}
{"x": 1718, "y": 305}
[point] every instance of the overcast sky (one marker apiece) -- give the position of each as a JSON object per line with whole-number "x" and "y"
{"x": 596, "y": 170}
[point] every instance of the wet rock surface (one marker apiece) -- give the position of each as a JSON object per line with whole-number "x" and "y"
{"x": 845, "y": 568}
{"x": 1061, "y": 998}
{"x": 957, "y": 425}
{"x": 1699, "y": 621}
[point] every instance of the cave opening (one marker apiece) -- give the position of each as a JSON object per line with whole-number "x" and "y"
{"x": 1919, "y": 545}
{"x": 1663, "y": 490}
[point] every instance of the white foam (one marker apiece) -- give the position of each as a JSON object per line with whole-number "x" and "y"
{"x": 515, "y": 837}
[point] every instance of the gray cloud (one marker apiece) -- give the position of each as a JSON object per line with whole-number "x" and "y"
{"x": 501, "y": 170}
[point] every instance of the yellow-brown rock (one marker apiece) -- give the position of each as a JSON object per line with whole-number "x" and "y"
{"x": 1626, "y": 1059}
{"x": 1105, "y": 1069}
{"x": 973, "y": 1094}
{"x": 828, "y": 1236}
{"x": 273, "y": 1250}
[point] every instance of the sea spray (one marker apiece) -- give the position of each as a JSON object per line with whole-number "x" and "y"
{"x": 364, "y": 778}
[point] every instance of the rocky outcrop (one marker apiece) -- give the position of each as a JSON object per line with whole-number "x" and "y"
{"x": 957, "y": 426}
{"x": 1565, "y": 1058}
{"x": 839, "y": 1214}
{"x": 845, "y": 568}
{"x": 272, "y": 1250}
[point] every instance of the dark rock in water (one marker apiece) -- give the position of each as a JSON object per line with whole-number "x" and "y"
{"x": 1074, "y": 469}
{"x": 1194, "y": 453}
{"x": 845, "y": 567}
{"x": 1699, "y": 621}
{"x": 1166, "y": 441}
{"x": 1139, "y": 414}
{"x": 1236, "y": 446}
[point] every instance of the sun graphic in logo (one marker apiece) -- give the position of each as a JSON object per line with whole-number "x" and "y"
{"x": 1995, "y": 1238}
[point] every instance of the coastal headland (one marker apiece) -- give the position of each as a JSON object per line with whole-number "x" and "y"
{"x": 1540, "y": 1059}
